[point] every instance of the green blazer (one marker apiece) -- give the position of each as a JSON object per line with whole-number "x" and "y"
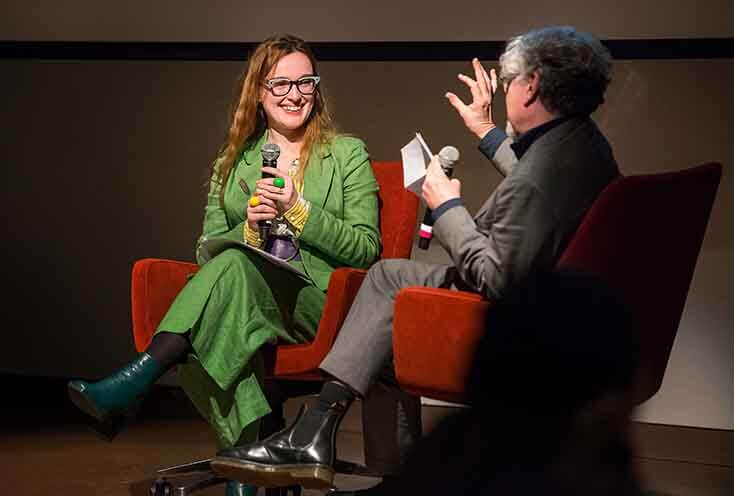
{"x": 343, "y": 224}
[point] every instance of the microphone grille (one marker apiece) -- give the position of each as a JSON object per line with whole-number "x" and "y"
{"x": 270, "y": 152}
{"x": 448, "y": 156}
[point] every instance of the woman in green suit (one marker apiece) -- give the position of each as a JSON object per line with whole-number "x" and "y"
{"x": 322, "y": 203}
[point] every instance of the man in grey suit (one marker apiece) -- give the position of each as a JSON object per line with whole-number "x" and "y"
{"x": 556, "y": 162}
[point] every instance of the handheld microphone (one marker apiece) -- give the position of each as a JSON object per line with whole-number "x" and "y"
{"x": 447, "y": 157}
{"x": 270, "y": 153}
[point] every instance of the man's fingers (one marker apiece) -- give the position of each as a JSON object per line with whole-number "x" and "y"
{"x": 433, "y": 172}
{"x": 434, "y": 165}
{"x": 456, "y": 102}
{"x": 493, "y": 80}
{"x": 482, "y": 79}
{"x": 488, "y": 84}
{"x": 476, "y": 93}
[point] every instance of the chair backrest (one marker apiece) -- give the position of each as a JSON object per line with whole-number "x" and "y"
{"x": 398, "y": 210}
{"x": 642, "y": 236}
{"x": 398, "y": 217}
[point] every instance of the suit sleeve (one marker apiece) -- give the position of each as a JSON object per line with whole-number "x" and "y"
{"x": 495, "y": 145}
{"x": 354, "y": 238}
{"x": 520, "y": 227}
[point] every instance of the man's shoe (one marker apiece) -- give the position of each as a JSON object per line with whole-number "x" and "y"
{"x": 302, "y": 454}
{"x": 111, "y": 399}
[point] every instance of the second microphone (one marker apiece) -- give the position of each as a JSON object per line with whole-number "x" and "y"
{"x": 447, "y": 157}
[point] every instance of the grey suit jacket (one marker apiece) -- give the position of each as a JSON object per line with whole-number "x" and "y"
{"x": 527, "y": 221}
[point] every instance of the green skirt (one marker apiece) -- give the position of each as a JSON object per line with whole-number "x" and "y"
{"x": 234, "y": 304}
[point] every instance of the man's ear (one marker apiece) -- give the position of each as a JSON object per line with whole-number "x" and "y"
{"x": 532, "y": 90}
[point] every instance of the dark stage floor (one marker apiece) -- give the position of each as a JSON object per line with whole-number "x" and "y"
{"x": 47, "y": 448}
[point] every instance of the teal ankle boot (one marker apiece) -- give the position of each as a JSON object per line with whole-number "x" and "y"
{"x": 236, "y": 488}
{"x": 110, "y": 399}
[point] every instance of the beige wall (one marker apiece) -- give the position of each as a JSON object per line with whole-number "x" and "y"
{"x": 104, "y": 163}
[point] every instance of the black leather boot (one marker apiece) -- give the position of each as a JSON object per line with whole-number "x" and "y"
{"x": 302, "y": 454}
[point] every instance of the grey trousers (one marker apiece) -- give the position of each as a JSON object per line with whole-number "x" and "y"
{"x": 362, "y": 358}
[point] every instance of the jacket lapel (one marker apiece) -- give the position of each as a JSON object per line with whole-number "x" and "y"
{"x": 252, "y": 162}
{"x": 319, "y": 176}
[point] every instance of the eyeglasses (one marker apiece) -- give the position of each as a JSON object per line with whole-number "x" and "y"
{"x": 282, "y": 86}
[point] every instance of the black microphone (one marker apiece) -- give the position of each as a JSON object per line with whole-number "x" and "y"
{"x": 447, "y": 157}
{"x": 270, "y": 153}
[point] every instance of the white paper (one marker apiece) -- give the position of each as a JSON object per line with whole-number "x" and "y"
{"x": 211, "y": 247}
{"x": 416, "y": 155}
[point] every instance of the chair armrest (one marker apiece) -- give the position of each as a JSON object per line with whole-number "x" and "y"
{"x": 155, "y": 284}
{"x": 435, "y": 334}
{"x": 301, "y": 358}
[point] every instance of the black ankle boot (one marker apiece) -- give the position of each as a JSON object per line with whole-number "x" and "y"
{"x": 111, "y": 399}
{"x": 302, "y": 454}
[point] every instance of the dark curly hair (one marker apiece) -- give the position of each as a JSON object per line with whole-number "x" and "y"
{"x": 574, "y": 67}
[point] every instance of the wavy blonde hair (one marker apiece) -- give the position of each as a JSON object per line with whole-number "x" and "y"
{"x": 248, "y": 120}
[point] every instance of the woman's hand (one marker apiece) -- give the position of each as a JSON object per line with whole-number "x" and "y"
{"x": 260, "y": 208}
{"x": 477, "y": 115}
{"x": 283, "y": 198}
{"x": 437, "y": 187}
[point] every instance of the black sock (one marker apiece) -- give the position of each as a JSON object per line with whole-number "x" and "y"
{"x": 169, "y": 348}
{"x": 334, "y": 392}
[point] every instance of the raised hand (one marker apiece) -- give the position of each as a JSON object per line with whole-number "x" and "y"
{"x": 477, "y": 115}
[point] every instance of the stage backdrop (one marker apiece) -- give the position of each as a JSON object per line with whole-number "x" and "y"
{"x": 105, "y": 160}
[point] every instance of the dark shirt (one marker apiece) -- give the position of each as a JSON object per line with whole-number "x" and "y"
{"x": 491, "y": 141}
{"x": 489, "y": 144}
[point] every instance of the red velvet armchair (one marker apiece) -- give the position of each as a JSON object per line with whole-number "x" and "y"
{"x": 642, "y": 236}
{"x": 292, "y": 370}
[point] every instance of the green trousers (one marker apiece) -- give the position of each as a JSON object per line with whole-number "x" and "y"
{"x": 233, "y": 305}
